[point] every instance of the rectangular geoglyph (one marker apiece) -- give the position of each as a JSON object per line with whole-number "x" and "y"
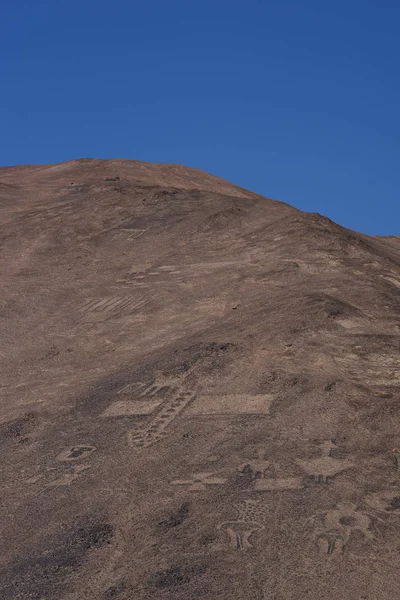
{"x": 231, "y": 404}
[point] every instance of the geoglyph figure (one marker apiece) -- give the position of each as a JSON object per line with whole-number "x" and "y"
{"x": 250, "y": 517}
{"x": 257, "y": 467}
{"x": 337, "y": 525}
{"x": 200, "y": 481}
{"x": 323, "y": 468}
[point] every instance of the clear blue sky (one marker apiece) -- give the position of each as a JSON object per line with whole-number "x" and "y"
{"x": 298, "y": 100}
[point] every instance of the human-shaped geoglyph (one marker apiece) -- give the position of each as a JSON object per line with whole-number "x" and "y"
{"x": 322, "y": 468}
{"x": 335, "y": 527}
{"x": 239, "y": 538}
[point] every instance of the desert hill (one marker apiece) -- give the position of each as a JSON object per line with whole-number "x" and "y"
{"x": 200, "y": 392}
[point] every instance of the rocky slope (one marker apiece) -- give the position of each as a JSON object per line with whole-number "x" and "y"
{"x": 200, "y": 392}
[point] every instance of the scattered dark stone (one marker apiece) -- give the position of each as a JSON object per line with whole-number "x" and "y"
{"x": 53, "y": 352}
{"x": 172, "y": 577}
{"x": 329, "y": 386}
{"x": 208, "y": 538}
{"x": 41, "y": 574}
{"x": 24, "y": 440}
{"x": 245, "y": 477}
{"x": 335, "y": 313}
{"x": 176, "y": 518}
{"x": 395, "y": 503}
{"x": 93, "y": 536}
{"x": 386, "y": 395}
{"x": 163, "y": 390}
{"x": 175, "y": 576}
{"x": 18, "y": 428}
{"x": 215, "y": 348}
{"x": 347, "y": 521}
{"x": 115, "y": 590}
{"x": 78, "y": 451}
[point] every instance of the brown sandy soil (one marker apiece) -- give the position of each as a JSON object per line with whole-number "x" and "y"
{"x": 199, "y": 392}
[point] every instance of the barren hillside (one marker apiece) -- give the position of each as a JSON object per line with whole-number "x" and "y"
{"x": 199, "y": 395}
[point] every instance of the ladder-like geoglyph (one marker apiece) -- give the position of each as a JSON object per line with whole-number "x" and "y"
{"x": 154, "y": 431}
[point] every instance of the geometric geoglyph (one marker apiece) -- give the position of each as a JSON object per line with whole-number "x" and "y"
{"x": 231, "y": 404}
{"x": 199, "y": 481}
{"x": 127, "y": 408}
{"x": 278, "y": 485}
{"x": 137, "y": 399}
